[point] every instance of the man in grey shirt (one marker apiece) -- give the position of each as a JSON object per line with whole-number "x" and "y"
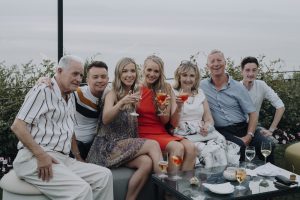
{"x": 230, "y": 106}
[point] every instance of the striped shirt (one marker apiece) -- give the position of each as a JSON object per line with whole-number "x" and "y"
{"x": 49, "y": 118}
{"x": 87, "y": 113}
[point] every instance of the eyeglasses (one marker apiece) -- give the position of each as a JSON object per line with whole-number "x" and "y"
{"x": 188, "y": 62}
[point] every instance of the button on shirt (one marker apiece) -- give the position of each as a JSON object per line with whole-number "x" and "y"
{"x": 230, "y": 105}
{"x": 49, "y": 118}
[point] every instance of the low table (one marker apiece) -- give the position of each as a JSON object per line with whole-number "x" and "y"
{"x": 182, "y": 189}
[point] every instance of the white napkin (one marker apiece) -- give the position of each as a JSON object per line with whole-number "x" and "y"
{"x": 251, "y": 172}
{"x": 223, "y": 188}
{"x": 268, "y": 169}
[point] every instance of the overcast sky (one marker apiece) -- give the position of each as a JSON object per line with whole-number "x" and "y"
{"x": 172, "y": 29}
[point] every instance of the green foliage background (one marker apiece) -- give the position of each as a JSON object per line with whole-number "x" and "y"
{"x": 15, "y": 81}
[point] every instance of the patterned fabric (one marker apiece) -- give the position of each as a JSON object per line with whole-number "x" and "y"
{"x": 116, "y": 143}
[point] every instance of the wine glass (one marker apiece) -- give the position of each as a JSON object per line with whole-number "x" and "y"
{"x": 138, "y": 96}
{"x": 250, "y": 154}
{"x": 161, "y": 97}
{"x": 177, "y": 161}
{"x": 266, "y": 149}
{"x": 240, "y": 175}
{"x": 163, "y": 165}
{"x": 184, "y": 94}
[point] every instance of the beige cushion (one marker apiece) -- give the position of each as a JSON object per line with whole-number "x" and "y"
{"x": 11, "y": 183}
{"x": 292, "y": 157}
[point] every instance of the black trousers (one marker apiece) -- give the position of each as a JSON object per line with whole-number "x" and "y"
{"x": 234, "y": 132}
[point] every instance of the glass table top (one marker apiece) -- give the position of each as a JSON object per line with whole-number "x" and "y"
{"x": 182, "y": 189}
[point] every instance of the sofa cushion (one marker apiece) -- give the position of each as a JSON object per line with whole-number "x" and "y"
{"x": 11, "y": 183}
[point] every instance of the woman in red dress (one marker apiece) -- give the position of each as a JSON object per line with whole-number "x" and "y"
{"x": 151, "y": 124}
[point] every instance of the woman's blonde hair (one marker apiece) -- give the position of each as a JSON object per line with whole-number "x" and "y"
{"x": 184, "y": 67}
{"x": 160, "y": 83}
{"x": 117, "y": 85}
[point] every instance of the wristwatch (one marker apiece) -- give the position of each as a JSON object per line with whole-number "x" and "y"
{"x": 250, "y": 133}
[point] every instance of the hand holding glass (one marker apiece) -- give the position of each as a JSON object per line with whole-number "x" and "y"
{"x": 184, "y": 94}
{"x": 161, "y": 99}
{"x": 137, "y": 96}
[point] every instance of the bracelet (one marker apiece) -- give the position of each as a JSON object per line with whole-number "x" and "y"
{"x": 76, "y": 154}
{"x": 250, "y": 133}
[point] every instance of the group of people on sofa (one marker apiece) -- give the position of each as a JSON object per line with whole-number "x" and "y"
{"x": 217, "y": 113}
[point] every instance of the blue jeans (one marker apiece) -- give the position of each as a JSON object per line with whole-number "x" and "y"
{"x": 234, "y": 132}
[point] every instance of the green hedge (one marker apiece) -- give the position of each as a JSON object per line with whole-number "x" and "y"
{"x": 15, "y": 81}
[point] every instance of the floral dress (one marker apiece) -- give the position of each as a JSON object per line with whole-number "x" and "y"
{"x": 116, "y": 143}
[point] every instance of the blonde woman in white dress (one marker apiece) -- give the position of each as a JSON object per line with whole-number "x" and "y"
{"x": 195, "y": 121}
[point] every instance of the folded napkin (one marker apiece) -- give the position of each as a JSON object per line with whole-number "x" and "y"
{"x": 223, "y": 188}
{"x": 268, "y": 169}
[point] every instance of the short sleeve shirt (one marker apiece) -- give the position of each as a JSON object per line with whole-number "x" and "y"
{"x": 230, "y": 105}
{"x": 49, "y": 118}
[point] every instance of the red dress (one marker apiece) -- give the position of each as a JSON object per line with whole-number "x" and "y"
{"x": 149, "y": 124}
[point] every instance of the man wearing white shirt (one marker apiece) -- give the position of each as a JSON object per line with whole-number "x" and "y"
{"x": 259, "y": 90}
{"x": 44, "y": 126}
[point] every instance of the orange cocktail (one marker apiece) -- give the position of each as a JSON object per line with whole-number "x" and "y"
{"x": 161, "y": 97}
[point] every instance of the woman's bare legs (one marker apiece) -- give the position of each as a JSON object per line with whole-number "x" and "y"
{"x": 152, "y": 149}
{"x": 174, "y": 148}
{"x": 190, "y": 153}
{"x": 143, "y": 166}
{"x": 186, "y": 149}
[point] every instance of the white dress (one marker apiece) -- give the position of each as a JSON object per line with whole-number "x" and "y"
{"x": 211, "y": 152}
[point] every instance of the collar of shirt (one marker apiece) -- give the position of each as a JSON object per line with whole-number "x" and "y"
{"x": 56, "y": 89}
{"x": 227, "y": 85}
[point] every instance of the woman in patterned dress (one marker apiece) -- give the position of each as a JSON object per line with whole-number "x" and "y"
{"x": 117, "y": 142}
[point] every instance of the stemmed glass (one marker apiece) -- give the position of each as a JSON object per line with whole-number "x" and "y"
{"x": 161, "y": 98}
{"x": 184, "y": 94}
{"x": 266, "y": 149}
{"x": 138, "y": 96}
{"x": 250, "y": 154}
{"x": 177, "y": 161}
{"x": 163, "y": 165}
{"x": 240, "y": 175}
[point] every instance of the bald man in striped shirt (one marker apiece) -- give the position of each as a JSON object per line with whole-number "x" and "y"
{"x": 44, "y": 126}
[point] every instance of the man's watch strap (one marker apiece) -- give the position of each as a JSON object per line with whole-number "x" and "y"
{"x": 251, "y": 134}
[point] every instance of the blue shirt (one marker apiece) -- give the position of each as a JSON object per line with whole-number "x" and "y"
{"x": 230, "y": 105}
